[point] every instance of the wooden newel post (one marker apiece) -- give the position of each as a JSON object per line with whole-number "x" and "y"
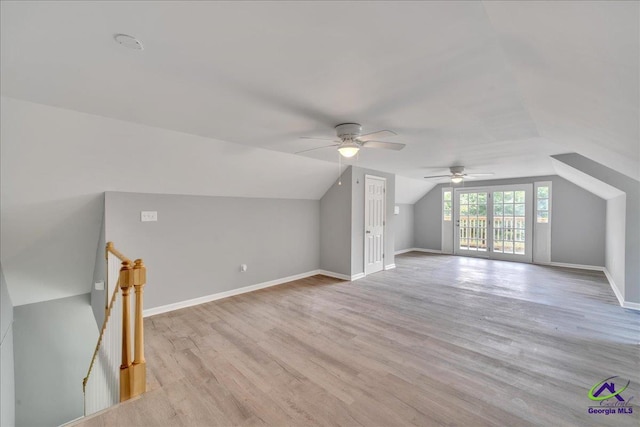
{"x": 139, "y": 367}
{"x": 126, "y": 281}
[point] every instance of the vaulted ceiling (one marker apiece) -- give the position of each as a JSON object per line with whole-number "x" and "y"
{"x": 495, "y": 86}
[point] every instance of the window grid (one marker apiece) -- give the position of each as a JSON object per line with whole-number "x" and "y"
{"x": 473, "y": 221}
{"x": 447, "y": 206}
{"x": 509, "y": 222}
{"x": 542, "y": 205}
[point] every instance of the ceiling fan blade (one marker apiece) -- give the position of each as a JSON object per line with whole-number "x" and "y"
{"x": 377, "y": 134}
{"x": 317, "y": 148}
{"x": 438, "y": 176}
{"x": 321, "y": 138}
{"x": 475, "y": 175}
{"x": 382, "y": 144}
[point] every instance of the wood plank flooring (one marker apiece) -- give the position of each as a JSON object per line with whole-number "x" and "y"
{"x": 440, "y": 340}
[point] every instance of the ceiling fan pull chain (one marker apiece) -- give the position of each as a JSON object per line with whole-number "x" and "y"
{"x": 339, "y": 169}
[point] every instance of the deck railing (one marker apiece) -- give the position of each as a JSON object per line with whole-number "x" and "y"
{"x": 112, "y": 376}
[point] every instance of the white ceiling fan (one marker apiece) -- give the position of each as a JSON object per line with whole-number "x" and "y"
{"x": 457, "y": 175}
{"x": 351, "y": 140}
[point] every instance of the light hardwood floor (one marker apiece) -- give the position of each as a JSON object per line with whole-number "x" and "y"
{"x": 440, "y": 340}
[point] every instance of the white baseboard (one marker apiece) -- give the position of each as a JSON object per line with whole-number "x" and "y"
{"x": 403, "y": 251}
{"x": 577, "y": 266}
{"x": 624, "y": 304}
{"x": 613, "y": 285}
{"x": 334, "y": 275}
{"x": 68, "y": 423}
{"x": 429, "y": 251}
{"x": 220, "y": 295}
{"x": 631, "y": 305}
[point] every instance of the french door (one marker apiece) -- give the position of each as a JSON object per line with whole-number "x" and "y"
{"x": 494, "y": 222}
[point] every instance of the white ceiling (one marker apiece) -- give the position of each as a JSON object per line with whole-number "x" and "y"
{"x": 495, "y": 86}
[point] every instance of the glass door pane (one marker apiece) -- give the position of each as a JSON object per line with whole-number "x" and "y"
{"x": 472, "y": 224}
{"x": 511, "y": 222}
{"x": 494, "y": 222}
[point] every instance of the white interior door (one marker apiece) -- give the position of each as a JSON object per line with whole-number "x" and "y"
{"x": 374, "y": 221}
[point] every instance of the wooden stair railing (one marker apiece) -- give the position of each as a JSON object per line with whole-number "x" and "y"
{"x": 132, "y": 375}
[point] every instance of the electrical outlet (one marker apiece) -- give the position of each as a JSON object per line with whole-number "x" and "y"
{"x": 147, "y": 216}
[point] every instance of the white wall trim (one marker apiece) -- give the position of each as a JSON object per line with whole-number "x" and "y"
{"x": 578, "y": 266}
{"x": 334, "y": 275}
{"x": 429, "y": 251}
{"x": 403, "y": 251}
{"x": 624, "y": 304}
{"x": 220, "y": 295}
{"x": 613, "y": 285}
{"x": 389, "y": 267}
{"x": 340, "y": 275}
{"x": 631, "y": 305}
{"x": 68, "y": 423}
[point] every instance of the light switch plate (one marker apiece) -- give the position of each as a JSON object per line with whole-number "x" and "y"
{"x": 146, "y": 216}
{"x": 99, "y": 286}
{"x": 396, "y": 210}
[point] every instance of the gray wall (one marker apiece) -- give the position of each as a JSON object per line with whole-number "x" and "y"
{"x": 52, "y": 203}
{"x": 577, "y": 228}
{"x": 578, "y": 224}
{"x": 7, "y": 377}
{"x": 53, "y": 342}
{"x": 98, "y": 298}
{"x": 357, "y": 217}
{"x": 404, "y": 227}
{"x": 428, "y": 220}
{"x": 615, "y": 243}
{"x": 631, "y": 231}
{"x": 335, "y": 226}
{"x": 198, "y": 243}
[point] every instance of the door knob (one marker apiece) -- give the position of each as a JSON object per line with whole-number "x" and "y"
{"x": 367, "y": 231}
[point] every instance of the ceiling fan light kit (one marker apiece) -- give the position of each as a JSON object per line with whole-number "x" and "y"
{"x": 348, "y": 149}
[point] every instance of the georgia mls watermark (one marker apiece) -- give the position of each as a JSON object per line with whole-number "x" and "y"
{"x": 607, "y": 397}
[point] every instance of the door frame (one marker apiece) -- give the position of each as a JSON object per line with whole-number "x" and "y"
{"x": 490, "y": 254}
{"x": 364, "y": 223}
